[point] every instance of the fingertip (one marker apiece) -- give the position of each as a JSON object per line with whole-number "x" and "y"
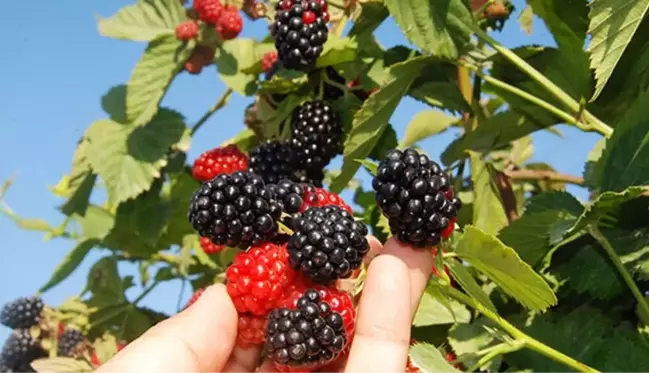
{"x": 375, "y": 248}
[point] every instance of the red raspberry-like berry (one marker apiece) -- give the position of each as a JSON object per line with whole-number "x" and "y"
{"x": 218, "y": 161}
{"x": 318, "y": 197}
{"x": 187, "y": 30}
{"x": 257, "y": 278}
{"x": 448, "y": 231}
{"x": 208, "y": 11}
{"x": 250, "y": 331}
{"x": 268, "y": 60}
{"x": 197, "y": 294}
{"x": 308, "y": 17}
{"x": 230, "y": 23}
{"x": 209, "y": 247}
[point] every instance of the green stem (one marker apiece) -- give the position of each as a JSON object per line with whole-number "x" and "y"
{"x": 145, "y": 293}
{"x": 223, "y": 100}
{"x": 528, "y": 341}
{"x": 591, "y": 121}
{"x": 643, "y": 307}
{"x": 491, "y": 352}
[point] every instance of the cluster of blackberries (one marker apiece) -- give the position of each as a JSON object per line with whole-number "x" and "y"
{"x": 20, "y": 349}
{"x": 416, "y": 196}
{"x": 316, "y": 138}
{"x": 300, "y": 32}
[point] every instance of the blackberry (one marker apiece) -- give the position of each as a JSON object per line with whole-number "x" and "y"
{"x": 69, "y": 341}
{"x": 291, "y": 196}
{"x": 272, "y": 161}
{"x": 415, "y": 195}
{"x": 236, "y": 210}
{"x": 317, "y": 135}
{"x": 22, "y": 313}
{"x": 327, "y": 244}
{"x": 20, "y": 350}
{"x": 300, "y": 31}
{"x": 307, "y": 337}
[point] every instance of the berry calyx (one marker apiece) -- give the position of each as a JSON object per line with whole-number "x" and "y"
{"x": 250, "y": 331}
{"x": 257, "y": 278}
{"x": 22, "y": 313}
{"x": 230, "y": 23}
{"x": 187, "y": 30}
{"x": 411, "y": 191}
{"x": 224, "y": 160}
{"x": 208, "y": 11}
{"x": 308, "y": 336}
{"x": 209, "y": 247}
{"x": 327, "y": 244}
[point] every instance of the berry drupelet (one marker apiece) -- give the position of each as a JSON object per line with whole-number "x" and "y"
{"x": 69, "y": 341}
{"x": 209, "y": 11}
{"x": 316, "y": 135}
{"x": 307, "y": 337}
{"x": 300, "y": 32}
{"x": 236, "y": 210}
{"x": 415, "y": 195}
{"x": 22, "y": 313}
{"x": 272, "y": 160}
{"x": 328, "y": 244}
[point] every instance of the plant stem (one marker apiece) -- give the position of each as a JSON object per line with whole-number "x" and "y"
{"x": 528, "y": 341}
{"x": 499, "y": 349}
{"x": 592, "y": 123}
{"x": 643, "y": 307}
{"x": 543, "y": 175}
{"x": 223, "y": 100}
{"x": 145, "y": 293}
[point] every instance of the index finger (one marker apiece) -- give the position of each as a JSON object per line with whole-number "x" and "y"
{"x": 395, "y": 281}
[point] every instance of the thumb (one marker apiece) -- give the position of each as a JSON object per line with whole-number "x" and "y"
{"x": 199, "y": 339}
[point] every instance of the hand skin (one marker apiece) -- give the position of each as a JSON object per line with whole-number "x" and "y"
{"x": 202, "y": 337}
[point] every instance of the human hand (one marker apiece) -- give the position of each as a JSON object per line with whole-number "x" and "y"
{"x": 202, "y": 338}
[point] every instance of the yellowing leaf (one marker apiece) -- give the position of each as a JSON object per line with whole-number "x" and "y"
{"x": 488, "y": 212}
{"x": 613, "y": 24}
{"x": 144, "y": 21}
{"x": 61, "y": 365}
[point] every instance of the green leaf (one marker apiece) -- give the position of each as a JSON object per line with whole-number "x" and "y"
{"x": 161, "y": 61}
{"x": 488, "y": 212}
{"x": 105, "y": 284}
{"x": 613, "y": 24}
{"x": 467, "y": 339}
{"x": 387, "y": 142}
{"x": 425, "y": 124}
{"x": 372, "y": 119}
{"x": 96, "y": 222}
{"x": 231, "y": 59}
{"x": 244, "y": 140}
{"x": 561, "y": 201}
{"x": 69, "y": 264}
{"x": 144, "y": 21}
{"x": 105, "y": 347}
{"x": 441, "y": 27}
{"x": 337, "y": 50}
{"x": 129, "y": 158}
{"x": 38, "y": 225}
{"x": 371, "y": 17}
{"x": 114, "y": 103}
{"x": 606, "y": 203}
{"x": 526, "y": 20}
{"x": 62, "y": 365}
{"x": 566, "y": 20}
{"x": 429, "y": 359}
{"x": 370, "y": 165}
{"x": 463, "y": 277}
{"x": 502, "y": 265}
{"x": 433, "y": 312}
{"x": 179, "y": 191}
{"x": 625, "y": 161}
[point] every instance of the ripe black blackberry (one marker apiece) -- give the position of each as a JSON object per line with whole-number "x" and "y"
{"x": 317, "y": 135}
{"x": 22, "y": 313}
{"x": 309, "y": 336}
{"x": 300, "y": 31}
{"x": 272, "y": 161}
{"x": 327, "y": 244}
{"x": 415, "y": 195}
{"x": 69, "y": 342}
{"x": 236, "y": 210}
{"x": 20, "y": 350}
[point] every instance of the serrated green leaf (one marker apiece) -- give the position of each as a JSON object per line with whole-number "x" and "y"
{"x": 502, "y": 265}
{"x": 371, "y": 16}
{"x": 105, "y": 284}
{"x": 429, "y": 359}
{"x": 96, "y": 222}
{"x": 177, "y": 227}
{"x": 370, "y": 165}
{"x": 467, "y": 339}
{"x": 468, "y": 283}
{"x": 613, "y": 24}
{"x": 567, "y": 20}
{"x": 561, "y": 201}
{"x": 337, "y": 50}
{"x": 144, "y": 21}
{"x": 231, "y": 58}
{"x": 606, "y": 203}
{"x": 114, "y": 103}
{"x": 625, "y": 161}
{"x": 388, "y": 141}
{"x": 441, "y": 27}
{"x": 488, "y": 212}
{"x": 129, "y": 158}
{"x": 69, "y": 263}
{"x": 433, "y": 312}
{"x": 425, "y": 124}
{"x": 151, "y": 77}
{"x": 372, "y": 118}
{"x": 624, "y": 351}
{"x": 244, "y": 140}
{"x": 62, "y": 365}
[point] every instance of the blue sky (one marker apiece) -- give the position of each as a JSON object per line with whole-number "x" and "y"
{"x": 55, "y": 70}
